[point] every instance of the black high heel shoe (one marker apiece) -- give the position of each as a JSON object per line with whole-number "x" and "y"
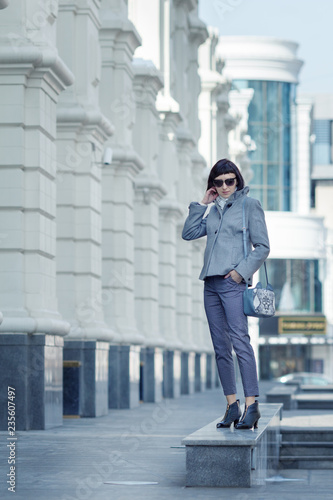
{"x": 232, "y": 414}
{"x": 250, "y": 417}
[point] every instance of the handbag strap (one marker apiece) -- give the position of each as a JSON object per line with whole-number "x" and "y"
{"x": 244, "y": 239}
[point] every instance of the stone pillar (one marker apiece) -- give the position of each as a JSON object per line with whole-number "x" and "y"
{"x": 239, "y": 141}
{"x": 302, "y": 189}
{"x": 119, "y": 39}
{"x": 82, "y": 132}
{"x": 225, "y": 122}
{"x": 148, "y": 192}
{"x": 170, "y": 213}
{"x": 157, "y": 43}
{"x": 32, "y": 77}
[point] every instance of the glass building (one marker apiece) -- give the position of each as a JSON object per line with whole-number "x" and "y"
{"x": 280, "y": 124}
{"x": 270, "y": 128}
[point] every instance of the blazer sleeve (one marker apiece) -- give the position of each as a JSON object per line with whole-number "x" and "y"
{"x": 259, "y": 237}
{"x": 195, "y": 224}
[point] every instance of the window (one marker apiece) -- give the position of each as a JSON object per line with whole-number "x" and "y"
{"x": 296, "y": 283}
{"x": 322, "y": 148}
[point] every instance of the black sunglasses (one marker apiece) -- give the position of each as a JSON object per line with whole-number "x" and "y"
{"x": 228, "y": 182}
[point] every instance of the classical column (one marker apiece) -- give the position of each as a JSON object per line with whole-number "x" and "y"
{"x": 149, "y": 190}
{"x": 82, "y": 132}
{"x": 239, "y": 141}
{"x": 302, "y": 188}
{"x": 155, "y": 30}
{"x": 119, "y": 39}
{"x": 31, "y": 334}
{"x": 170, "y": 213}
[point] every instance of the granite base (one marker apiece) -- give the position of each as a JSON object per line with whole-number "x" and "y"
{"x": 151, "y": 373}
{"x": 124, "y": 376}
{"x": 94, "y": 373}
{"x": 171, "y": 374}
{"x": 187, "y": 381}
{"x": 32, "y": 366}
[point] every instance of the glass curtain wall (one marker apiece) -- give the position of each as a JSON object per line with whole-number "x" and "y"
{"x": 270, "y": 128}
{"x": 296, "y": 283}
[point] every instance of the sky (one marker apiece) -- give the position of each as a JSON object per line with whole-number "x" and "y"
{"x": 306, "y": 22}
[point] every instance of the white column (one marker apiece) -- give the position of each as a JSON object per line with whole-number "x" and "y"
{"x": 239, "y": 141}
{"x": 82, "y": 131}
{"x": 303, "y": 188}
{"x": 184, "y": 248}
{"x": 32, "y": 77}
{"x": 170, "y": 213}
{"x": 148, "y": 192}
{"x": 119, "y": 39}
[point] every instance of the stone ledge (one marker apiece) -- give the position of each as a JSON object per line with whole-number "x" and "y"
{"x": 231, "y": 457}
{"x": 283, "y": 394}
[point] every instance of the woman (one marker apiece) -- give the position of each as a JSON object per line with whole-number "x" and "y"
{"x": 226, "y": 272}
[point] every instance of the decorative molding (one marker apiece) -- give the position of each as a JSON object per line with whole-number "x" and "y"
{"x": 198, "y": 29}
{"x": 29, "y": 59}
{"x": 75, "y": 114}
{"x": 171, "y": 209}
{"x": 117, "y": 29}
{"x": 4, "y": 4}
{"x": 150, "y": 188}
{"x": 259, "y": 58}
{"x": 34, "y": 325}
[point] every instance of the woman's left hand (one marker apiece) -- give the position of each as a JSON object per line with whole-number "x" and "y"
{"x": 234, "y": 276}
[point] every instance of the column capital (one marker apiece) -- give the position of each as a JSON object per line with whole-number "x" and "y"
{"x": 148, "y": 189}
{"x": 117, "y": 30}
{"x": 76, "y": 116}
{"x": 198, "y": 29}
{"x": 171, "y": 209}
{"x": 19, "y": 57}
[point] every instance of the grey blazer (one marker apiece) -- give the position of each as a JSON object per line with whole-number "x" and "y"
{"x": 224, "y": 248}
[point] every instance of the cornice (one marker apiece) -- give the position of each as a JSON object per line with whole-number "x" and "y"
{"x": 198, "y": 29}
{"x": 125, "y": 159}
{"x": 119, "y": 29}
{"x": 150, "y": 188}
{"x": 78, "y": 8}
{"x": 189, "y": 4}
{"x": 69, "y": 116}
{"x": 172, "y": 209}
{"x": 147, "y": 75}
{"x": 185, "y": 136}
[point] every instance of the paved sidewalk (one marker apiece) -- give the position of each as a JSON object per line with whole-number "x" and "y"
{"x": 84, "y": 458}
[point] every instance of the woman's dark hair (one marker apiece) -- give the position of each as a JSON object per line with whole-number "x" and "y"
{"x": 225, "y": 166}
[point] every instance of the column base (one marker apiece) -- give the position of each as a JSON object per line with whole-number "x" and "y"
{"x": 171, "y": 374}
{"x": 124, "y": 376}
{"x": 209, "y": 371}
{"x": 32, "y": 366}
{"x": 200, "y": 372}
{"x": 187, "y": 372}
{"x": 151, "y": 374}
{"x": 93, "y": 375}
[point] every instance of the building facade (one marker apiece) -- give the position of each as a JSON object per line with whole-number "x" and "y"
{"x": 299, "y": 337}
{"x": 101, "y": 109}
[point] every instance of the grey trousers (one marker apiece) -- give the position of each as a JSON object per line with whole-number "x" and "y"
{"x": 223, "y": 299}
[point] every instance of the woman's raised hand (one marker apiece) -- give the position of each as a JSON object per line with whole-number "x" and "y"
{"x": 210, "y": 195}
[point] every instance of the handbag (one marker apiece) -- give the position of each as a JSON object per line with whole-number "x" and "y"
{"x": 258, "y": 301}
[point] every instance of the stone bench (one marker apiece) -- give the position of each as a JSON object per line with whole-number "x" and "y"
{"x": 314, "y": 401}
{"x": 231, "y": 457}
{"x": 316, "y": 388}
{"x": 283, "y": 394}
